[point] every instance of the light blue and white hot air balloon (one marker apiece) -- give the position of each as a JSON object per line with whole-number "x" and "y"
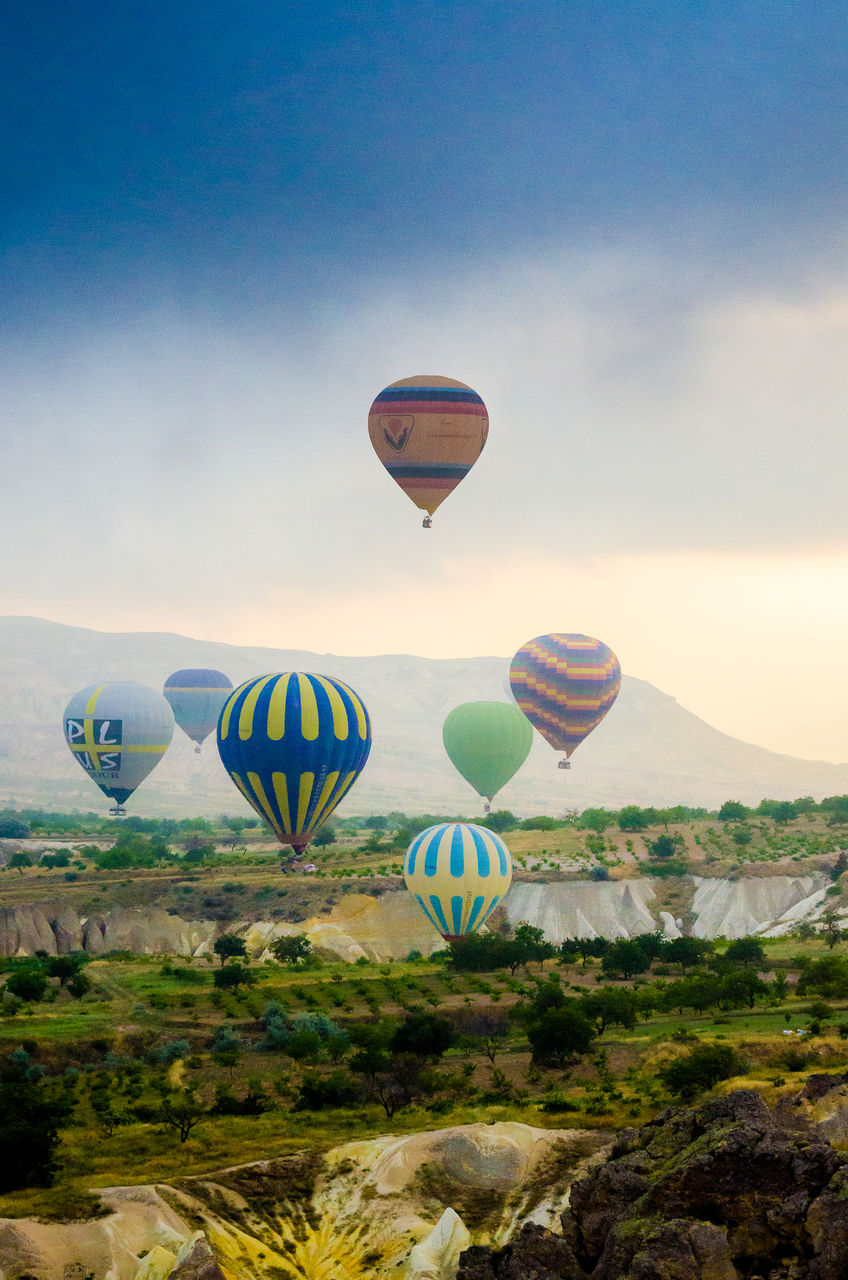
{"x": 458, "y": 874}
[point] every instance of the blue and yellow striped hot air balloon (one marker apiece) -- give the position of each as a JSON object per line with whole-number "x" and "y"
{"x": 565, "y": 684}
{"x": 458, "y": 874}
{"x": 118, "y": 731}
{"x": 196, "y": 695}
{"x": 294, "y": 744}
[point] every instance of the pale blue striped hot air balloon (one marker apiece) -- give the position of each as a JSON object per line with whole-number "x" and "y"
{"x": 458, "y": 874}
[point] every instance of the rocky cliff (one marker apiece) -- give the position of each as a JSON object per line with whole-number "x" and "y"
{"x": 725, "y": 1191}
{"x": 391, "y": 925}
{"x": 401, "y": 1207}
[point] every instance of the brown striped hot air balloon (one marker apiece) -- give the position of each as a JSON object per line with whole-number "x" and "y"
{"x": 565, "y": 685}
{"x": 428, "y": 432}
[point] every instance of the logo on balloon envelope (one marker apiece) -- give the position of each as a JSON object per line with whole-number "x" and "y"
{"x": 95, "y": 743}
{"x": 396, "y": 431}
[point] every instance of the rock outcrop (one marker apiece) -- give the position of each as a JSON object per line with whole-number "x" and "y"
{"x": 724, "y": 1191}
{"x": 57, "y": 929}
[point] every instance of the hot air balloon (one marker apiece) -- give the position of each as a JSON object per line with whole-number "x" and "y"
{"x": 565, "y": 685}
{"x": 118, "y": 731}
{"x": 458, "y": 874}
{"x": 487, "y": 742}
{"x": 428, "y": 432}
{"x": 294, "y": 744}
{"x": 196, "y": 696}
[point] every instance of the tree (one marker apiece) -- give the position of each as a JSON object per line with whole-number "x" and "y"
{"x": 745, "y": 952}
{"x": 325, "y": 836}
{"x": 27, "y": 982}
{"x": 424, "y": 1034}
{"x": 559, "y": 1034}
{"x": 293, "y": 949}
{"x": 182, "y": 1110}
{"x": 733, "y": 811}
{"x": 19, "y": 862}
{"x": 700, "y": 1070}
{"x": 825, "y": 977}
{"x": 625, "y": 957}
{"x": 666, "y": 846}
{"x": 500, "y": 820}
{"x": 741, "y": 986}
{"x": 228, "y": 946}
{"x": 487, "y": 1025}
{"x": 610, "y": 1005}
{"x": 632, "y": 818}
{"x": 833, "y": 928}
{"x": 234, "y": 975}
{"x": 12, "y": 828}
{"x": 784, "y": 812}
{"x": 529, "y": 944}
{"x": 687, "y": 951}
{"x": 595, "y": 820}
{"x": 32, "y": 1113}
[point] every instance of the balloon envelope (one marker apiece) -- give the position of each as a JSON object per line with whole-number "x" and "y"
{"x": 458, "y": 873}
{"x": 118, "y": 731}
{"x": 294, "y": 744}
{"x": 428, "y": 432}
{"x": 487, "y": 742}
{"x": 196, "y": 696}
{"x": 565, "y": 685}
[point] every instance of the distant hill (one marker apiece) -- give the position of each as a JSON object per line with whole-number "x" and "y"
{"x": 649, "y": 750}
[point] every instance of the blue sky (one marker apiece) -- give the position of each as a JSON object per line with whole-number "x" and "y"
{"x": 198, "y": 145}
{"x": 225, "y": 227}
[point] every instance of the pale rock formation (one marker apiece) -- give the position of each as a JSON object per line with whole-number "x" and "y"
{"x": 437, "y": 1257}
{"x": 371, "y": 1194}
{"x": 157, "y": 1264}
{"x": 670, "y": 926}
{"x": 108, "y": 1248}
{"x": 25, "y": 930}
{"x": 384, "y": 928}
{"x": 196, "y": 1261}
{"x": 736, "y": 908}
{"x": 579, "y": 909}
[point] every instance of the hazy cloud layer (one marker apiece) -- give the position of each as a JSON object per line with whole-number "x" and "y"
{"x": 665, "y": 467}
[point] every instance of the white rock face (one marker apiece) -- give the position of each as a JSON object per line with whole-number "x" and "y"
{"x": 437, "y": 1257}
{"x": 584, "y": 909}
{"x": 736, "y": 908}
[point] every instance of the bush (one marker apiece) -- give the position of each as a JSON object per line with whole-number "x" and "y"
{"x": 700, "y": 1070}
{"x": 316, "y": 1092}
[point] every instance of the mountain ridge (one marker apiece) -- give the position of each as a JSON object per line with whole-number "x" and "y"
{"x": 648, "y": 750}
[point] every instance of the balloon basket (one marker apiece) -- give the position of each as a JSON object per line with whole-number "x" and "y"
{"x": 487, "y": 808}
{"x": 427, "y": 522}
{"x": 564, "y": 764}
{"x": 197, "y": 751}
{"x": 117, "y": 811}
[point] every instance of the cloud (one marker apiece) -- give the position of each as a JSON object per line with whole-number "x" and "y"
{"x": 667, "y": 447}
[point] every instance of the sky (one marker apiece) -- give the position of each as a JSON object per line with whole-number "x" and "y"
{"x": 224, "y": 228}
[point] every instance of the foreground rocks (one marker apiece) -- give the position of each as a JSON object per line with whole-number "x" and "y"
{"x": 725, "y": 1191}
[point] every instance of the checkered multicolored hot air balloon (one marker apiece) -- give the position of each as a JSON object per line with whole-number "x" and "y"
{"x": 428, "y": 432}
{"x": 196, "y": 696}
{"x": 565, "y": 685}
{"x": 294, "y": 744}
{"x": 458, "y": 874}
{"x": 118, "y": 731}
